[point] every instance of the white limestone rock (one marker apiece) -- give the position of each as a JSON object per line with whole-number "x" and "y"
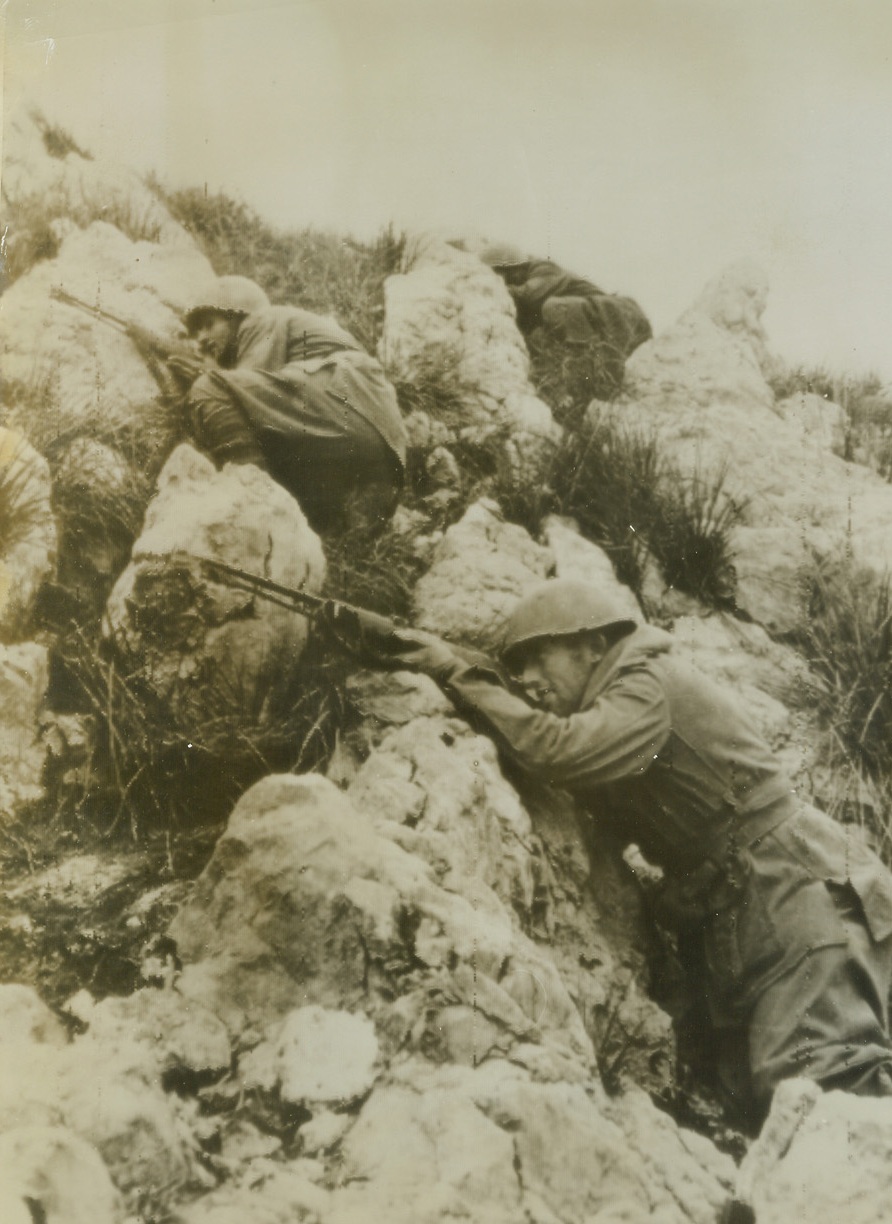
{"x": 177, "y": 1033}
{"x": 317, "y": 1057}
{"x": 479, "y": 570}
{"x": 584, "y": 561}
{"x": 347, "y": 912}
{"x": 450, "y": 314}
{"x": 24, "y": 674}
{"x": 68, "y": 372}
{"x": 702, "y": 387}
{"x": 209, "y": 649}
{"x": 821, "y": 423}
{"x": 25, "y": 1018}
{"x": 821, "y": 1157}
{"x": 81, "y": 189}
{"x": 61, "y": 1174}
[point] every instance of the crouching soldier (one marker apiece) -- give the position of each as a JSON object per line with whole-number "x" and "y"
{"x": 295, "y": 394}
{"x": 570, "y": 309}
{"x": 793, "y": 911}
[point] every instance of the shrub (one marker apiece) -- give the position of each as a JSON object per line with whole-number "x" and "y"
{"x": 847, "y": 638}
{"x": 19, "y": 498}
{"x": 153, "y": 768}
{"x": 634, "y": 502}
{"x": 691, "y": 534}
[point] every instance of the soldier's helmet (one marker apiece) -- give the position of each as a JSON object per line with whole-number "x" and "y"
{"x": 502, "y": 255}
{"x": 561, "y": 607}
{"x": 233, "y": 295}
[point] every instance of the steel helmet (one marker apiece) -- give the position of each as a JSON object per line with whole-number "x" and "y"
{"x": 502, "y": 255}
{"x": 230, "y": 295}
{"x": 559, "y": 607}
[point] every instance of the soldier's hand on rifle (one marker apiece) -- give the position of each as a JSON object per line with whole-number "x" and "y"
{"x": 380, "y": 642}
{"x": 186, "y": 367}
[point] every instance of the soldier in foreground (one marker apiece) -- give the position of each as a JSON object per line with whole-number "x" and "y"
{"x": 293, "y": 393}
{"x": 793, "y": 911}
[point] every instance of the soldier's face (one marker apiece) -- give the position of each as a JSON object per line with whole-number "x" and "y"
{"x": 554, "y": 672}
{"x": 214, "y": 333}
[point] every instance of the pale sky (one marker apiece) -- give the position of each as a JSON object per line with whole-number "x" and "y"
{"x": 643, "y": 143}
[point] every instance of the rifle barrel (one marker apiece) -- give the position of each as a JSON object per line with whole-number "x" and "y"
{"x": 255, "y": 582}
{"x": 97, "y": 312}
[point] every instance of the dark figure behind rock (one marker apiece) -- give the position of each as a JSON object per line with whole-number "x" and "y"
{"x": 293, "y": 393}
{"x": 571, "y": 310}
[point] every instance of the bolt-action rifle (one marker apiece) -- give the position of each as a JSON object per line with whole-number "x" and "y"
{"x": 154, "y": 351}
{"x": 352, "y": 627}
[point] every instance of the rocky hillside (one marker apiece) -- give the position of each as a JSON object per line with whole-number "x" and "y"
{"x": 281, "y": 938}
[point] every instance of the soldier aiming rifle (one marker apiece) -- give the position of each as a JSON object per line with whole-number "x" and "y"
{"x": 792, "y": 911}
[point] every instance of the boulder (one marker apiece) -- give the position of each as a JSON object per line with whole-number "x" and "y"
{"x": 450, "y": 321}
{"x": 478, "y": 571}
{"x": 351, "y": 919}
{"x": 58, "y": 1175}
{"x": 107, "y": 1094}
{"x": 318, "y": 1056}
{"x": 821, "y": 1157}
{"x": 25, "y": 1018}
{"x": 27, "y": 532}
{"x": 24, "y": 673}
{"x": 491, "y": 1145}
{"x": 581, "y": 559}
{"x": 822, "y": 424}
{"x": 210, "y": 651}
{"x": 68, "y": 373}
{"x": 177, "y": 1034}
{"x": 702, "y": 386}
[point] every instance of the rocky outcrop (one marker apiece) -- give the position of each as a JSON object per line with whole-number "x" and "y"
{"x": 27, "y": 532}
{"x": 24, "y": 672}
{"x": 405, "y": 904}
{"x": 209, "y": 650}
{"x": 67, "y": 372}
{"x": 450, "y": 323}
{"x": 70, "y": 1111}
{"x": 824, "y": 1157}
{"x": 477, "y": 572}
{"x": 49, "y": 1174}
{"x": 702, "y": 386}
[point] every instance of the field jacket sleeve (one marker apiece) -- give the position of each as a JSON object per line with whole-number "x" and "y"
{"x": 617, "y": 736}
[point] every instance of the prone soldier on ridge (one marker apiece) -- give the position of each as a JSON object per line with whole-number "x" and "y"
{"x": 792, "y": 911}
{"x": 295, "y": 394}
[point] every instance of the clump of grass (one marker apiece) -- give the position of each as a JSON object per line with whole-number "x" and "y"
{"x": 309, "y": 268}
{"x": 568, "y": 377}
{"x": 847, "y": 638}
{"x": 155, "y": 766}
{"x": 57, "y": 141}
{"x": 608, "y": 478}
{"x": 377, "y": 572}
{"x": 20, "y": 501}
{"x": 691, "y": 534}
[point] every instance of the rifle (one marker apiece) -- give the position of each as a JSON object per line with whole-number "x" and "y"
{"x": 350, "y": 624}
{"x": 154, "y": 351}
{"x": 347, "y": 623}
